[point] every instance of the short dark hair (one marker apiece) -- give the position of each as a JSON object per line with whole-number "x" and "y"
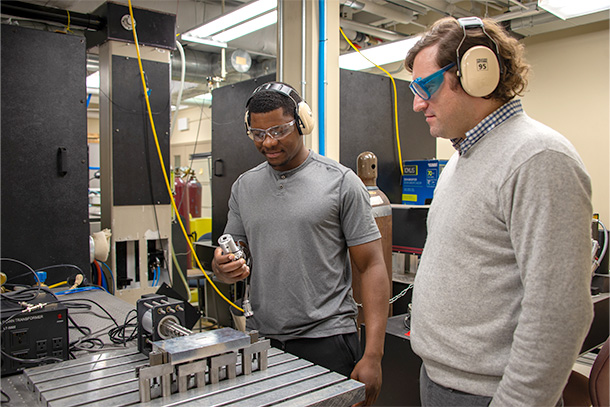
{"x": 266, "y": 101}
{"x": 447, "y": 34}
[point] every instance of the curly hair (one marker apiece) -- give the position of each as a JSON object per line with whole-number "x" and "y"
{"x": 266, "y": 101}
{"x": 447, "y": 34}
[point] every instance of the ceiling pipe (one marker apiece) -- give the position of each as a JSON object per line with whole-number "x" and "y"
{"x": 357, "y": 38}
{"x": 428, "y": 6}
{"x": 532, "y": 21}
{"x": 303, "y": 48}
{"x": 200, "y": 65}
{"x": 382, "y": 33}
{"x": 387, "y": 11}
{"x": 444, "y": 7}
{"x": 280, "y": 40}
{"x": 51, "y": 14}
{"x": 519, "y": 4}
{"x": 489, "y": 4}
{"x": 512, "y": 15}
{"x": 420, "y": 9}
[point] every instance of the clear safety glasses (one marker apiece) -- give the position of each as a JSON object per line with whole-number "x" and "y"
{"x": 275, "y": 132}
{"x": 425, "y": 88}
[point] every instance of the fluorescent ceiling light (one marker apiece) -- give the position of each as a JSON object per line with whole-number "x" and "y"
{"x": 565, "y": 9}
{"x": 182, "y": 107}
{"x": 202, "y": 99}
{"x": 93, "y": 80}
{"x": 235, "y": 17}
{"x": 248, "y": 27}
{"x": 381, "y": 54}
{"x": 204, "y": 41}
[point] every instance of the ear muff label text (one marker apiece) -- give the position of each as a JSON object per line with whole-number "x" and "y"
{"x": 482, "y": 64}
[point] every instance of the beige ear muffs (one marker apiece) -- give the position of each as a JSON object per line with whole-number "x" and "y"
{"x": 479, "y": 71}
{"x": 306, "y": 118}
{"x": 302, "y": 111}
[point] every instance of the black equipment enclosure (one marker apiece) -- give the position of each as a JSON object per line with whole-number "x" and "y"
{"x": 45, "y": 220}
{"x": 154, "y": 29}
{"x": 133, "y": 146}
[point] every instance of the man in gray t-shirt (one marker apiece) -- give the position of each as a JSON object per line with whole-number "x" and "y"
{"x": 303, "y": 216}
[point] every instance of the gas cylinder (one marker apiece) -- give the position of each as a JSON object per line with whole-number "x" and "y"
{"x": 194, "y": 188}
{"x": 382, "y": 211}
{"x": 181, "y": 194}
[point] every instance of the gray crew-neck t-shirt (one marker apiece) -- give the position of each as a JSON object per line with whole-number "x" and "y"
{"x": 298, "y": 225}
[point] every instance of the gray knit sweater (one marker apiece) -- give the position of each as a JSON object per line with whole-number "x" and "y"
{"x": 501, "y": 300}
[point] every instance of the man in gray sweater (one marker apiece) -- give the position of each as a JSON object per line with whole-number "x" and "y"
{"x": 501, "y": 300}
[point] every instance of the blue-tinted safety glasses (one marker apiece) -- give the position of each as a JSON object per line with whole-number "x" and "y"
{"x": 425, "y": 88}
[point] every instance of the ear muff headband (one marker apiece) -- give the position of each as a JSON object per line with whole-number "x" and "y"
{"x": 302, "y": 111}
{"x": 479, "y": 68}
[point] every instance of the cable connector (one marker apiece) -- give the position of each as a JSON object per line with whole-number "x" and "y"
{"x": 77, "y": 281}
{"x": 247, "y": 308}
{"x": 31, "y": 307}
{"x": 228, "y": 246}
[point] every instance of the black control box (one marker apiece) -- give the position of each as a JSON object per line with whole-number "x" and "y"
{"x": 33, "y": 335}
{"x": 154, "y": 28}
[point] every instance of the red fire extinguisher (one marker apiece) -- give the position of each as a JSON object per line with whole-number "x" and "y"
{"x": 181, "y": 195}
{"x": 194, "y": 193}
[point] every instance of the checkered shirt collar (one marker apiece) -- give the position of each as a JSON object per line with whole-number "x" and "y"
{"x": 502, "y": 114}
